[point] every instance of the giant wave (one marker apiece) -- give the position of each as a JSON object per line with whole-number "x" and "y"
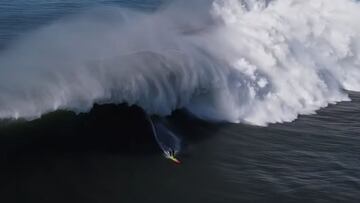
{"x": 251, "y": 61}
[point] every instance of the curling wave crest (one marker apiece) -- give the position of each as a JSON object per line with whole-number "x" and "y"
{"x": 249, "y": 61}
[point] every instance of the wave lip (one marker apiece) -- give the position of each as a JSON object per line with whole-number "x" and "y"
{"x": 252, "y": 61}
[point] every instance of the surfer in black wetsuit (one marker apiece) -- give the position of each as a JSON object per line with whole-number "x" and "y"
{"x": 172, "y": 152}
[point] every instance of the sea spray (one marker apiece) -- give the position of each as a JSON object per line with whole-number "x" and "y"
{"x": 257, "y": 62}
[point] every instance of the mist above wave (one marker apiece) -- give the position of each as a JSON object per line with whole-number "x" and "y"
{"x": 225, "y": 60}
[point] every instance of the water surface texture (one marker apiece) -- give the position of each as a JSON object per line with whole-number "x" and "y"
{"x": 263, "y": 94}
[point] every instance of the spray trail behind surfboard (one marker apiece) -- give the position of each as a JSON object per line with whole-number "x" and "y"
{"x": 169, "y": 143}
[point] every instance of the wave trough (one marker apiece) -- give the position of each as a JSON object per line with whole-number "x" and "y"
{"x": 249, "y": 61}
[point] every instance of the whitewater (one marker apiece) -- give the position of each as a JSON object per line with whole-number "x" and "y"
{"x": 249, "y": 61}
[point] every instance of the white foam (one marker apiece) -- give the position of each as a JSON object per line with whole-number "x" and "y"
{"x": 228, "y": 60}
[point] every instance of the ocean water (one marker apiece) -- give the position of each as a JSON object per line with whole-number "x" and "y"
{"x": 262, "y": 94}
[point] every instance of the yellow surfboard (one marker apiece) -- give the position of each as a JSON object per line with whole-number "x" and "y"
{"x": 174, "y": 159}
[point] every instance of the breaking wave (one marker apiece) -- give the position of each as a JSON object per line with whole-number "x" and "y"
{"x": 249, "y": 61}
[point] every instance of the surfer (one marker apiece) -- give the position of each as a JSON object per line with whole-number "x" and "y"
{"x": 167, "y": 141}
{"x": 171, "y": 155}
{"x": 172, "y": 152}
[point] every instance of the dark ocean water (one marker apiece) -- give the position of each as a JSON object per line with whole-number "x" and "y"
{"x": 109, "y": 154}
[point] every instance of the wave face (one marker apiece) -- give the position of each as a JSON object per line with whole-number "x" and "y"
{"x": 251, "y": 61}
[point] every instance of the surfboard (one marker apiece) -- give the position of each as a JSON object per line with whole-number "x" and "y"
{"x": 174, "y": 159}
